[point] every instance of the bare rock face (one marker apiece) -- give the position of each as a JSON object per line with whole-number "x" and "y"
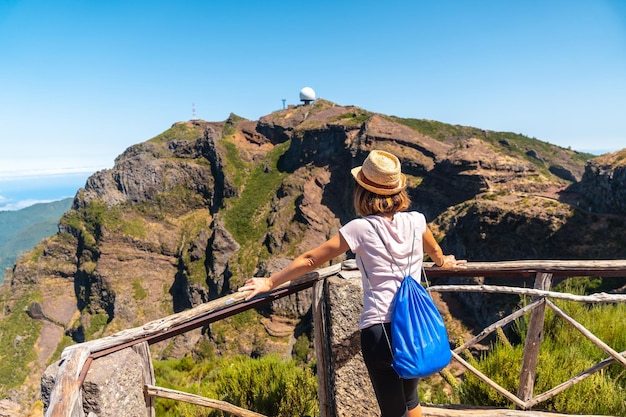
{"x": 604, "y": 183}
{"x": 114, "y": 386}
{"x": 221, "y": 247}
{"x": 9, "y": 408}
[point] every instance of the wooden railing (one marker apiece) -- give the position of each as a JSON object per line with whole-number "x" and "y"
{"x": 66, "y": 397}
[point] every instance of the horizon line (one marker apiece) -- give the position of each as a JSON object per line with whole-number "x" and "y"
{"x": 33, "y": 173}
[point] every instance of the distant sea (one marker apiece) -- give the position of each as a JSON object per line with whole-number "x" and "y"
{"x": 18, "y": 193}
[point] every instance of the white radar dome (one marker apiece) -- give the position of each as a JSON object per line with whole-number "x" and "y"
{"x": 307, "y": 94}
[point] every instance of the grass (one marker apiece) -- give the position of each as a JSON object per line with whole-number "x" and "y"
{"x": 97, "y": 325}
{"x": 180, "y": 131}
{"x": 245, "y": 216}
{"x": 139, "y": 292}
{"x": 514, "y": 144}
{"x": 355, "y": 118}
{"x": 18, "y": 335}
{"x": 235, "y": 169}
{"x": 564, "y": 353}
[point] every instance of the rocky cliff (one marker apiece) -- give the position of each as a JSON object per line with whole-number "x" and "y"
{"x": 187, "y": 216}
{"x": 604, "y": 184}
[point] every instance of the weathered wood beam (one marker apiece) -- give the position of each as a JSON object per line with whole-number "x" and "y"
{"x": 163, "y": 325}
{"x": 322, "y": 350}
{"x": 143, "y": 350}
{"x": 199, "y": 400}
{"x": 593, "y": 298}
{"x": 534, "y": 337}
{"x": 595, "y": 340}
{"x": 529, "y": 268}
{"x": 66, "y": 398}
{"x": 464, "y": 411}
{"x": 489, "y": 382}
{"x": 500, "y": 323}
{"x": 580, "y": 377}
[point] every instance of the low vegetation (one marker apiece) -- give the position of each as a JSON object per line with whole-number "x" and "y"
{"x": 179, "y": 131}
{"x": 268, "y": 385}
{"x": 564, "y": 353}
{"x": 18, "y": 335}
{"x": 245, "y": 215}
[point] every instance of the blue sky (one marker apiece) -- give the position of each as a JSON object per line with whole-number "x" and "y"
{"x": 83, "y": 80}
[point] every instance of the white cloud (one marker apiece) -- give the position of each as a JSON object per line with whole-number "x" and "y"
{"x": 6, "y": 205}
{"x": 16, "y": 173}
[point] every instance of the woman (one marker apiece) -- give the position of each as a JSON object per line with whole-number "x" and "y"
{"x": 381, "y": 200}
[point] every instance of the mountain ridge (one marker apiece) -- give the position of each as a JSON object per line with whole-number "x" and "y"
{"x": 186, "y": 216}
{"x": 21, "y": 230}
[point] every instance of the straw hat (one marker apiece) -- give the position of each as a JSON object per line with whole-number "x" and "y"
{"x": 380, "y": 173}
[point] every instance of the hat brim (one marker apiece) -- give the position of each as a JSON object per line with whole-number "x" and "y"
{"x": 376, "y": 188}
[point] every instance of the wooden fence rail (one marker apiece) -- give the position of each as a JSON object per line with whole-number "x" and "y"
{"x": 66, "y": 398}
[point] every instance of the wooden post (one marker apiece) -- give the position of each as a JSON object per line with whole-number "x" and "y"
{"x": 320, "y": 342}
{"x": 543, "y": 281}
{"x": 148, "y": 374}
{"x": 66, "y": 398}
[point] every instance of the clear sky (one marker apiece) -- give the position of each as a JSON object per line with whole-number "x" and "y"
{"x": 82, "y": 80}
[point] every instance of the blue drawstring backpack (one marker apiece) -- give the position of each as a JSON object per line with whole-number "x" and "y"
{"x": 419, "y": 340}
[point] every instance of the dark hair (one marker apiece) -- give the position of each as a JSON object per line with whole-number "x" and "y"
{"x": 367, "y": 202}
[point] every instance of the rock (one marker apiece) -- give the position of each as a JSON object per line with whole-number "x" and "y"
{"x": 353, "y": 392}
{"x": 603, "y": 184}
{"x": 35, "y": 311}
{"x": 9, "y": 409}
{"x": 222, "y": 246}
{"x": 113, "y": 386}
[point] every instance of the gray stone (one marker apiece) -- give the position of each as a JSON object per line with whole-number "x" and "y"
{"x": 353, "y": 392}
{"x": 114, "y": 386}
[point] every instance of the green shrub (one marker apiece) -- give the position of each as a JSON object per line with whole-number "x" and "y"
{"x": 269, "y": 385}
{"x": 97, "y": 323}
{"x": 301, "y": 349}
{"x": 139, "y": 292}
{"x": 564, "y": 353}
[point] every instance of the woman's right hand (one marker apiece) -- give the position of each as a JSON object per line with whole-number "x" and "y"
{"x": 257, "y": 286}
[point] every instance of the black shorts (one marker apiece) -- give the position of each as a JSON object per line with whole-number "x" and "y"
{"x": 394, "y": 395}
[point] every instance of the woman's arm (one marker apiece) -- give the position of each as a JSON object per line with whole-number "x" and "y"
{"x": 432, "y": 248}
{"x": 303, "y": 264}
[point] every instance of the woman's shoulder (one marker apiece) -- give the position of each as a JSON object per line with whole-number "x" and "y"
{"x": 416, "y": 218}
{"x": 413, "y": 214}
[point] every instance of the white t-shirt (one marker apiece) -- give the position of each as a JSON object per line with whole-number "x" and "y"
{"x": 382, "y": 271}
